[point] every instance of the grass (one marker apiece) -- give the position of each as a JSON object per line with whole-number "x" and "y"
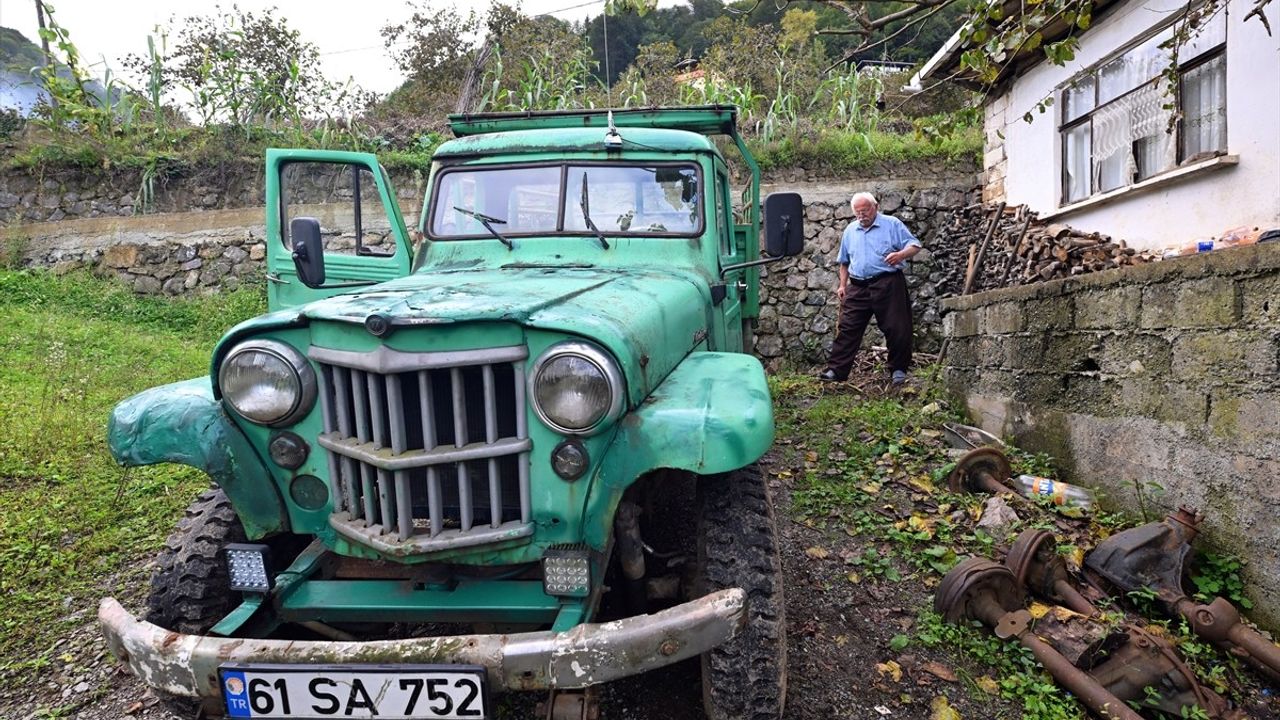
{"x": 172, "y": 149}
{"x": 838, "y": 152}
{"x": 73, "y": 525}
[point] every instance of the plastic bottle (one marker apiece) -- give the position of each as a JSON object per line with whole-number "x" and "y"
{"x": 1063, "y": 494}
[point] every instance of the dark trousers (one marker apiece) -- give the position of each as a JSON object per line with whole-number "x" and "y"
{"x": 885, "y": 298}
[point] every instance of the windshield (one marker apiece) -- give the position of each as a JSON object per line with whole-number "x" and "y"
{"x": 653, "y": 199}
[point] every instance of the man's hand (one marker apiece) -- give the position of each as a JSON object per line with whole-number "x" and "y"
{"x": 894, "y": 258}
{"x": 840, "y": 292}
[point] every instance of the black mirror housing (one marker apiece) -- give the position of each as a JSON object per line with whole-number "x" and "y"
{"x": 783, "y": 224}
{"x": 308, "y": 251}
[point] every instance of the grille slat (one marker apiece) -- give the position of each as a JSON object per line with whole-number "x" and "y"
{"x": 522, "y": 431}
{"x": 342, "y": 398}
{"x": 378, "y": 401}
{"x": 327, "y": 413}
{"x": 435, "y": 502}
{"x": 405, "y": 448}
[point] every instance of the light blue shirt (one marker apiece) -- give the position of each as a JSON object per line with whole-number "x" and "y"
{"x": 863, "y": 249}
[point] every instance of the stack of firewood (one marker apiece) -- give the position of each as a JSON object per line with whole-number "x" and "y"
{"x": 1056, "y": 251}
{"x": 1021, "y": 249}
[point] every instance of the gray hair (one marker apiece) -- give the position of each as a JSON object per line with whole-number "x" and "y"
{"x": 863, "y": 196}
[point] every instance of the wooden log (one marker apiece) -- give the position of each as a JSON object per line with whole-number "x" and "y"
{"x": 976, "y": 265}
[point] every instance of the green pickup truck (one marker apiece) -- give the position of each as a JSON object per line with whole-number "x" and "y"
{"x": 439, "y": 452}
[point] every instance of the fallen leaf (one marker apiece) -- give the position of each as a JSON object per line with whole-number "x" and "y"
{"x": 817, "y": 553}
{"x": 1077, "y": 557}
{"x": 811, "y": 456}
{"x": 886, "y": 712}
{"x": 842, "y": 640}
{"x": 1038, "y": 610}
{"x": 921, "y": 524}
{"x": 988, "y": 685}
{"x": 890, "y": 668}
{"x": 942, "y": 709}
{"x": 134, "y": 708}
{"x": 854, "y": 578}
{"x": 940, "y": 671}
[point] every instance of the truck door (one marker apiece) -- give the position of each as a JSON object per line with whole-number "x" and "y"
{"x": 731, "y": 306}
{"x": 364, "y": 235}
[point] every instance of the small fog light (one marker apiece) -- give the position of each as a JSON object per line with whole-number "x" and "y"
{"x": 566, "y": 571}
{"x": 570, "y": 460}
{"x": 248, "y": 567}
{"x": 288, "y": 450}
{"x": 309, "y": 492}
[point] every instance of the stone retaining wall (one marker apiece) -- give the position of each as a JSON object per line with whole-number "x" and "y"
{"x": 72, "y": 220}
{"x": 798, "y": 313}
{"x": 1158, "y": 384}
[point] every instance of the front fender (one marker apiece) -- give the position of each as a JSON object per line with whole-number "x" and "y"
{"x": 712, "y": 414}
{"x": 182, "y": 423}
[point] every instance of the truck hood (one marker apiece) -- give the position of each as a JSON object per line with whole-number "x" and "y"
{"x": 648, "y": 319}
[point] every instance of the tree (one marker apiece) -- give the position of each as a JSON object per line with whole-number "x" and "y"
{"x": 994, "y": 36}
{"x": 244, "y": 67}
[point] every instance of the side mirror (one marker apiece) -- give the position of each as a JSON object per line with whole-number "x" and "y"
{"x": 308, "y": 251}
{"x": 783, "y": 224}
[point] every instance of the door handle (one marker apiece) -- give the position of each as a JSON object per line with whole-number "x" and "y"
{"x": 272, "y": 277}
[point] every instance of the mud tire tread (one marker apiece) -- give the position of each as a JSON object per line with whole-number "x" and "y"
{"x": 745, "y": 679}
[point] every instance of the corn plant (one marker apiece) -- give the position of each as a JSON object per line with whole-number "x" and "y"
{"x": 723, "y": 93}
{"x": 545, "y": 82}
{"x": 848, "y": 101}
{"x": 155, "y": 75}
{"x": 784, "y": 109}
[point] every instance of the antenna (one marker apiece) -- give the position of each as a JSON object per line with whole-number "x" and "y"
{"x": 608, "y": 88}
{"x": 611, "y": 138}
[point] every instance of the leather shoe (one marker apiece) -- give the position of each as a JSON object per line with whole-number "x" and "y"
{"x": 830, "y": 376}
{"x": 899, "y": 377}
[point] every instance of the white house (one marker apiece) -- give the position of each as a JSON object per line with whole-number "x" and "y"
{"x": 1119, "y": 151}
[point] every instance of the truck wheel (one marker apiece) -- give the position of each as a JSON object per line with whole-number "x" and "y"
{"x": 745, "y": 679}
{"x": 189, "y": 586}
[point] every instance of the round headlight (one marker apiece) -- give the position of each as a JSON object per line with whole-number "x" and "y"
{"x": 267, "y": 382}
{"x": 576, "y": 387}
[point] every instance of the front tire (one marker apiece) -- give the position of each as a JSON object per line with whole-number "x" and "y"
{"x": 189, "y": 591}
{"x": 746, "y": 678}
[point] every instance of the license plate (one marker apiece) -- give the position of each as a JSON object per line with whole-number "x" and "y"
{"x": 408, "y": 692}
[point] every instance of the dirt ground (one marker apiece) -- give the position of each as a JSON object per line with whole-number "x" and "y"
{"x": 841, "y": 663}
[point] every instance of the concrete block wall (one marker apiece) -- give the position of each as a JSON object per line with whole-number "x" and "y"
{"x": 1157, "y": 384}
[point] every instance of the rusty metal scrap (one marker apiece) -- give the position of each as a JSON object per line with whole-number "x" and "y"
{"x": 1108, "y": 665}
{"x": 1154, "y": 557}
{"x": 979, "y": 589}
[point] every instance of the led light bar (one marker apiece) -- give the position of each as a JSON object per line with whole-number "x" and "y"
{"x": 566, "y": 572}
{"x": 248, "y": 567}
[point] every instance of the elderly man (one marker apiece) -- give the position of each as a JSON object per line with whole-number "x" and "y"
{"x": 872, "y": 253}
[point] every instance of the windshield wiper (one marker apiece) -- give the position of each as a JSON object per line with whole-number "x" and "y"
{"x": 485, "y": 220}
{"x": 585, "y": 203}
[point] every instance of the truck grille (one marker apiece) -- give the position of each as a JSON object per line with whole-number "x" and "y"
{"x": 427, "y": 451}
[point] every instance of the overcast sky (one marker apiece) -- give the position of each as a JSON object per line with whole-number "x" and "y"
{"x": 346, "y": 32}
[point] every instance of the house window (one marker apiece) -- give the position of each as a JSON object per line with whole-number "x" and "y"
{"x": 1116, "y": 118}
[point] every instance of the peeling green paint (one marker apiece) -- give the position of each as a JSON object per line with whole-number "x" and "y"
{"x": 182, "y": 423}
{"x": 711, "y": 415}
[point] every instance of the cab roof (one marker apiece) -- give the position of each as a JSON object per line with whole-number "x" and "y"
{"x": 575, "y": 140}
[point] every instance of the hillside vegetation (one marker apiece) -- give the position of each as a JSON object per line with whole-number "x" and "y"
{"x": 211, "y": 89}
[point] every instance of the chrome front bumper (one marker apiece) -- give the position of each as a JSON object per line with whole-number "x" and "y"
{"x": 588, "y": 654}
